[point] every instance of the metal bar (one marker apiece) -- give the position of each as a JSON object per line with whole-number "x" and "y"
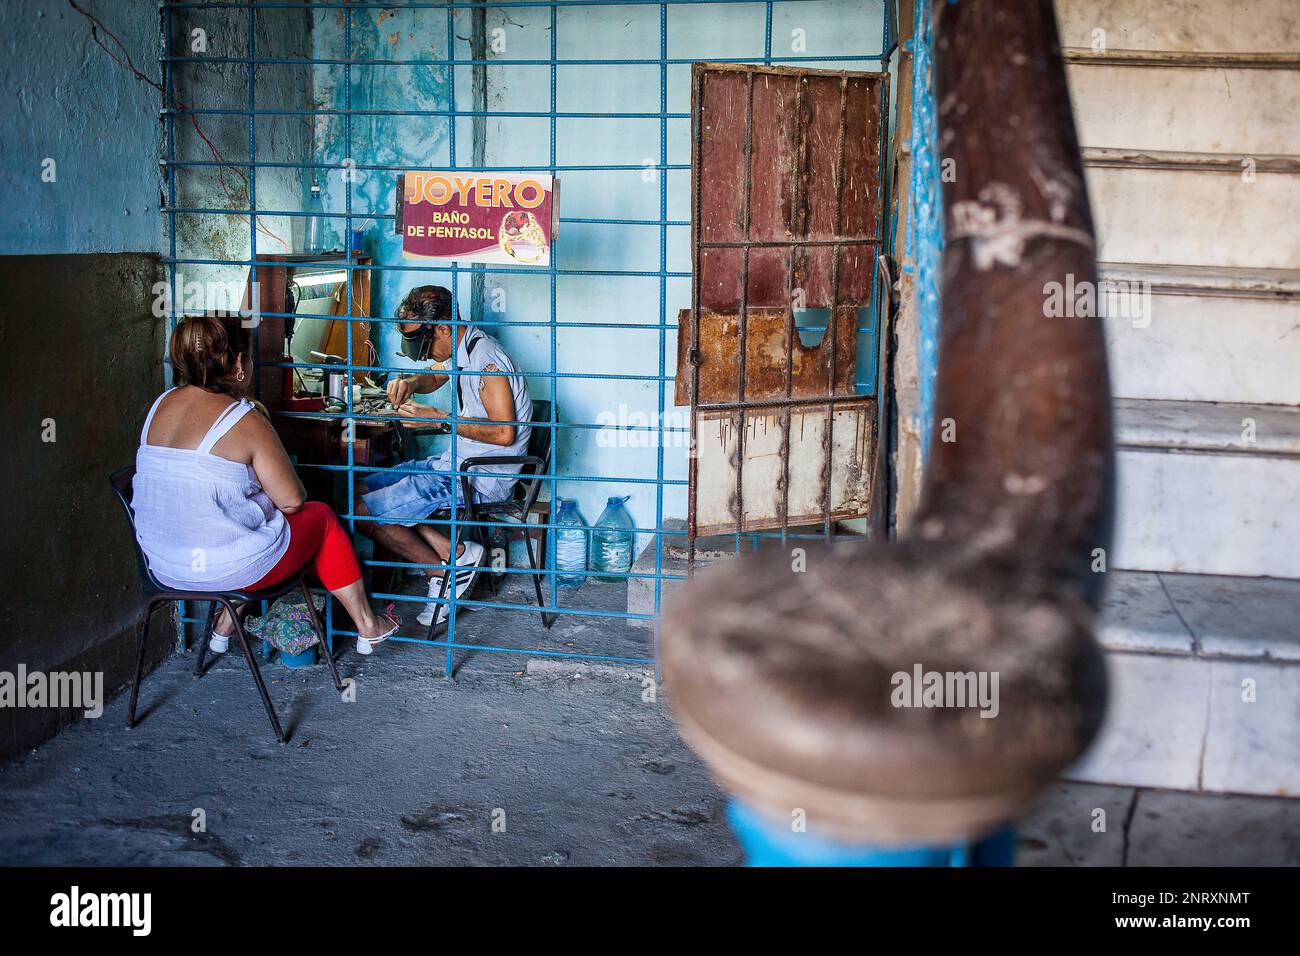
{"x": 427, "y": 5}
{"x": 505, "y": 270}
{"x": 254, "y": 300}
{"x": 510, "y": 323}
{"x": 477, "y": 113}
{"x": 663, "y": 325}
{"x": 449, "y": 657}
{"x": 552, "y": 539}
{"x": 744, "y": 305}
{"x": 666, "y": 532}
{"x": 478, "y": 46}
{"x": 348, "y": 175}
{"x": 789, "y": 325}
{"x": 881, "y": 297}
{"x": 794, "y": 243}
{"x": 594, "y": 61}
{"x": 169, "y": 127}
{"x": 414, "y": 167}
{"x": 627, "y": 376}
{"x": 827, "y": 478}
{"x": 693, "y": 355}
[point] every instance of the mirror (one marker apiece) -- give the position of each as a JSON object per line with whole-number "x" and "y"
{"x": 319, "y": 289}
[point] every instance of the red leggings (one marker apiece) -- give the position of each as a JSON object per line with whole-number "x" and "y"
{"x": 315, "y": 534}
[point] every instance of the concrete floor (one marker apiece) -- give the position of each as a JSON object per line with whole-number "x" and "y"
{"x": 570, "y": 762}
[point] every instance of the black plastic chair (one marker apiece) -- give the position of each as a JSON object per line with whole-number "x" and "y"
{"x": 519, "y": 506}
{"x": 155, "y": 594}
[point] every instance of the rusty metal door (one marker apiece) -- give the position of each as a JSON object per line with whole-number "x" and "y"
{"x": 787, "y": 220}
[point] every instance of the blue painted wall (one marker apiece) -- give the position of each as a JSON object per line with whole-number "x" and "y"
{"x": 829, "y": 28}
{"x": 925, "y": 224}
{"x": 81, "y": 351}
{"x": 206, "y": 83}
{"x": 396, "y": 141}
{"x": 65, "y": 100}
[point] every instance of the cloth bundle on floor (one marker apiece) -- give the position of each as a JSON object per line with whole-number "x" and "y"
{"x": 286, "y": 625}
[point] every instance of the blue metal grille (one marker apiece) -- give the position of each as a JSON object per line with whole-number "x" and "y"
{"x": 551, "y": 382}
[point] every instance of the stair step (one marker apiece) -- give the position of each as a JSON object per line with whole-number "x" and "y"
{"x": 1179, "y": 59}
{"x": 1207, "y": 426}
{"x": 1203, "y": 334}
{"x": 1189, "y": 108}
{"x": 674, "y": 561}
{"x": 1242, "y": 26}
{"x": 1208, "y": 280}
{"x": 1233, "y": 163}
{"x": 1202, "y": 614}
{"x": 1200, "y": 217}
{"x": 1207, "y": 488}
{"x": 1179, "y": 647}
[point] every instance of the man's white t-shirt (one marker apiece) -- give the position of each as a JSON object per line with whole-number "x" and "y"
{"x": 479, "y": 352}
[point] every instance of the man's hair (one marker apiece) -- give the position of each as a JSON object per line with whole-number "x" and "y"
{"x": 429, "y": 304}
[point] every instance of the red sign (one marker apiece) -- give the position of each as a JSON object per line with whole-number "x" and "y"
{"x": 502, "y": 218}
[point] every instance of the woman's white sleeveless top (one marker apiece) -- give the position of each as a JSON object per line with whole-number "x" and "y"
{"x": 204, "y": 522}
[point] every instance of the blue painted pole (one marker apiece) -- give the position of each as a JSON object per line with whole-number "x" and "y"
{"x": 768, "y": 843}
{"x": 925, "y": 223}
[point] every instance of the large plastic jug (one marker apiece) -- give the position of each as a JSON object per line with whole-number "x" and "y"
{"x": 570, "y": 545}
{"x": 612, "y": 540}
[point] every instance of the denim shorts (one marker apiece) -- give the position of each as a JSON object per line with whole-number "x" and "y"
{"x": 399, "y": 497}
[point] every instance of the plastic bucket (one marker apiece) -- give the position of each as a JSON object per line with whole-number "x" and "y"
{"x": 306, "y": 659}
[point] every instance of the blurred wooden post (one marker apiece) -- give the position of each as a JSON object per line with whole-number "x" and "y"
{"x": 791, "y": 675}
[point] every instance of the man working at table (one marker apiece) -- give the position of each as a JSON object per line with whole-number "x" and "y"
{"x": 491, "y": 397}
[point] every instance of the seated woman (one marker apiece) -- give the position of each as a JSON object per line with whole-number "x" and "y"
{"x": 217, "y": 503}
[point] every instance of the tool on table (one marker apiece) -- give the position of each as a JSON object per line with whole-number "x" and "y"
{"x": 335, "y": 380}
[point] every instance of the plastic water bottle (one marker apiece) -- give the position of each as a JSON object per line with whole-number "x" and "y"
{"x": 314, "y": 240}
{"x": 570, "y": 545}
{"x": 611, "y": 542}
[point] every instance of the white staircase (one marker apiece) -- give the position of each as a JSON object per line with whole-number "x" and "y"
{"x": 1189, "y": 116}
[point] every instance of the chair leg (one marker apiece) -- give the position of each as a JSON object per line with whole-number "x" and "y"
{"x": 442, "y": 593}
{"x": 257, "y": 674}
{"x": 141, "y": 636}
{"x": 320, "y": 634}
{"x": 204, "y": 637}
{"x": 547, "y": 619}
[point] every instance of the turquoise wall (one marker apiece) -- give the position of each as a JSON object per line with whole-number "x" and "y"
{"x": 396, "y": 141}
{"x": 65, "y": 100}
{"x": 209, "y": 83}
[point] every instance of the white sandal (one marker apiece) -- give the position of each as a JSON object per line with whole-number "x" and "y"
{"x": 366, "y": 645}
{"x": 219, "y": 643}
